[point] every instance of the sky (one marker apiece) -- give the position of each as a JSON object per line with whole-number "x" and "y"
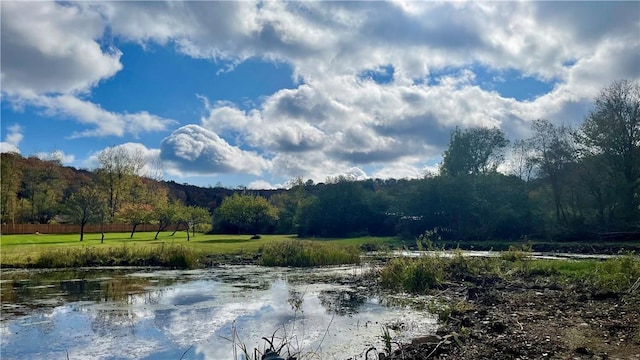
{"x": 257, "y": 93}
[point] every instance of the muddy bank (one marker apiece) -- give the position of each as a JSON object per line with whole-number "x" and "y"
{"x": 531, "y": 319}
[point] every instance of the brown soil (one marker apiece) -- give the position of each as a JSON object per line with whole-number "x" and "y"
{"x": 496, "y": 319}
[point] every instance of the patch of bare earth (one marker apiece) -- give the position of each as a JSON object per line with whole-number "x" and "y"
{"x": 544, "y": 320}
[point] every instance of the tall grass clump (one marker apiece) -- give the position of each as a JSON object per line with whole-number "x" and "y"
{"x": 302, "y": 253}
{"x": 174, "y": 256}
{"x": 517, "y": 253}
{"x": 465, "y": 268}
{"x": 618, "y": 274}
{"x": 413, "y": 275}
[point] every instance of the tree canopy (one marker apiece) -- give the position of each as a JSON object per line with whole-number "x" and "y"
{"x": 247, "y": 214}
{"x": 474, "y": 151}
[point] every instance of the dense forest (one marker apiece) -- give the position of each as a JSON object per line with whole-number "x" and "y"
{"x": 562, "y": 183}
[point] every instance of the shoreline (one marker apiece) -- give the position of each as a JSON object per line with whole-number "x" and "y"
{"x": 534, "y": 318}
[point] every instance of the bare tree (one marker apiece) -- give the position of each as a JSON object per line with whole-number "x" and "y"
{"x": 520, "y": 163}
{"x": 553, "y": 153}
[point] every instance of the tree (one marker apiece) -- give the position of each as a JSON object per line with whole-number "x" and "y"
{"x": 118, "y": 167}
{"x": 342, "y": 207}
{"x": 43, "y": 187}
{"x": 287, "y": 204}
{"x": 474, "y": 151}
{"x": 611, "y": 134}
{"x": 246, "y": 213}
{"x": 520, "y": 163}
{"x": 190, "y": 217}
{"x": 144, "y": 197}
{"x": 553, "y": 153}
{"x": 85, "y": 205}
{"x": 197, "y": 215}
{"x": 10, "y": 179}
{"x": 135, "y": 214}
{"x": 165, "y": 215}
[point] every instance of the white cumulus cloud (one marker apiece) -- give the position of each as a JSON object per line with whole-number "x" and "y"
{"x": 193, "y": 149}
{"x": 12, "y": 139}
{"x": 434, "y": 57}
{"x": 51, "y": 47}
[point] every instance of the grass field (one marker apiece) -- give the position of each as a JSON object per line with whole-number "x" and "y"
{"x": 21, "y": 250}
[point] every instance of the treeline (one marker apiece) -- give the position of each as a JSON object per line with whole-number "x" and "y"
{"x": 561, "y": 183}
{"x": 41, "y": 191}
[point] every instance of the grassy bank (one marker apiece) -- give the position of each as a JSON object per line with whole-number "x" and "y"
{"x": 61, "y": 250}
{"x": 172, "y": 256}
{"x": 419, "y": 275}
{"x": 587, "y": 247}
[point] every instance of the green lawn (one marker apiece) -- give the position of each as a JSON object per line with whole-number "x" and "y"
{"x": 23, "y": 249}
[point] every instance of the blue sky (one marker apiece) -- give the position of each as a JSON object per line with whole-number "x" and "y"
{"x": 258, "y": 93}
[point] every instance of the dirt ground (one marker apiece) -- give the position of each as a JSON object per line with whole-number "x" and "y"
{"x": 498, "y": 319}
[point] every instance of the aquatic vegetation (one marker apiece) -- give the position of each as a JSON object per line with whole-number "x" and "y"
{"x": 174, "y": 256}
{"x": 413, "y": 275}
{"x": 303, "y": 253}
{"x": 618, "y": 274}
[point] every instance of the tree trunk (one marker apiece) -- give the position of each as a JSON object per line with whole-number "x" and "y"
{"x": 176, "y": 230}
{"x": 161, "y": 227}
{"x": 82, "y": 230}
{"x": 188, "y": 238}
{"x": 133, "y": 230}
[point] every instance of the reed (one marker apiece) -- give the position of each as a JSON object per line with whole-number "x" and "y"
{"x": 303, "y": 253}
{"x": 413, "y": 275}
{"x": 173, "y": 256}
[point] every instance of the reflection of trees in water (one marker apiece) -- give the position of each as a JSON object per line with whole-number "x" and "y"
{"x": 79, "y": 289}
{"x": 22, "y": 293}
{"x": 114, "y": 323}
{"x": 341, "y": 301}
{"x": 123, "y": 289}
{"x": 151, "y": 297}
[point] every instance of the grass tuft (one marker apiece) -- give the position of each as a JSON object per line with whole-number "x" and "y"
{"x": 412, "y": 275}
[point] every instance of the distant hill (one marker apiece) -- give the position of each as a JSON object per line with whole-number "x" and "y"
{"x": 18, "y": 169}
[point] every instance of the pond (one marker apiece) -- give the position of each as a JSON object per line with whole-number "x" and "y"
{"x": 196, "y": 314}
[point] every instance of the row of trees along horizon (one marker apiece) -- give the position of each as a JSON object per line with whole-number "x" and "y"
{"x": 563, "y": 183}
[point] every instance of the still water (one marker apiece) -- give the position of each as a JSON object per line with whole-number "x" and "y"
{"x": 196, "y": 314}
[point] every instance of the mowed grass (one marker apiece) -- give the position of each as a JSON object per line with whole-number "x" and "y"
{"x": 25, "y": 250}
